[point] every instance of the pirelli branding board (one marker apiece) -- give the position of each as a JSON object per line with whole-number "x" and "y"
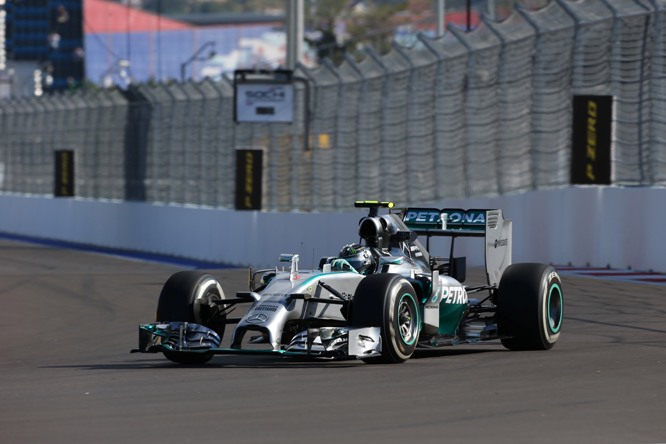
{"x": 64, "y": 173}
{"x": 592, "y": 130}
{"x": 249, "y": 178}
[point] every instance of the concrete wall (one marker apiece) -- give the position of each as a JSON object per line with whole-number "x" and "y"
{"x": 620, "y": 227}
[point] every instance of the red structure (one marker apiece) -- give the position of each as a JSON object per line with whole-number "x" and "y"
{"x": 103, "y": 16}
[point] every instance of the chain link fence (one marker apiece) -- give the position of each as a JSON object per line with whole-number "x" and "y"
{"x": 465, "y": 115}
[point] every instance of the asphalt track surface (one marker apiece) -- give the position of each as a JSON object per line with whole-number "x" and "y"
{"x": 69, "y": 319}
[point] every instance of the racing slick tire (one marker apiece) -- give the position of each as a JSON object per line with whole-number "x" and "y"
{"x": 530, "y": 304}
{"x": 185, "y": 297}
{"x": 388, "y": 301}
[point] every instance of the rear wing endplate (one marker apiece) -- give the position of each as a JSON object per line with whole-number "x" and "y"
{"x": 455, "y": 222}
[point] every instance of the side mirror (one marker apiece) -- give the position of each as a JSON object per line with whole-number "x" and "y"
{"x": 326, "y": 260}
{"x": 458, "y": 269}
{"x": 404, "y": 236}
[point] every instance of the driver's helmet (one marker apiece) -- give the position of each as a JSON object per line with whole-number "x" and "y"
{"x": 359, "y": 257}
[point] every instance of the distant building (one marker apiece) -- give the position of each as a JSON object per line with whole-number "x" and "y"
{"x": 126, "y": 45}
{"x": 55, "y": 45}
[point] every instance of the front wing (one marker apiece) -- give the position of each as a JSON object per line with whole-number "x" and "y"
{"x": 346, "y": 342}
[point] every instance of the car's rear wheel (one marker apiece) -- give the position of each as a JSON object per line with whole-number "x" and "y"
{"x": 388, "y": 301}
{"x": 188, "y": 296}
{"x": 530, "y": 304}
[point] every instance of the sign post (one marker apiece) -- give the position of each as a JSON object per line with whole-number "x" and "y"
{"x": 268, "y": 97}
{"x": 262, "y": 97}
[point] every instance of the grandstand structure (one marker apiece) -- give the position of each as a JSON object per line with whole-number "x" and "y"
{"x": 48, "y": 33}
{"x": 483, "y": 113}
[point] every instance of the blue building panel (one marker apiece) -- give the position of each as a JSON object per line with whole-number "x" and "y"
{"x": 115, "y": 58}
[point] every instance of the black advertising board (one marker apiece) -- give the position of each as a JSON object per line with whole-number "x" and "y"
{"x": 249, "y": 177}
{"x": 591, "y": 145}
{"x": 64, "y": 173}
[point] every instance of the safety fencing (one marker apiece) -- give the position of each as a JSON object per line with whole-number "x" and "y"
{"x": 484, "y": 113}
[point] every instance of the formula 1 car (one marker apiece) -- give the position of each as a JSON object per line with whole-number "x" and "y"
{"x": 378, "y": 300}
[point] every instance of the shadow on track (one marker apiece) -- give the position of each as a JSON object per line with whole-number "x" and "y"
{"x": 240, "y": 362}
{"x": 455, "y": 351}
{"x": 265, "y": 362}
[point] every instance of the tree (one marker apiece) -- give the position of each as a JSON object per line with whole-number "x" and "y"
{"x": 341, "y": 27}
{"x": 374, "y": 26}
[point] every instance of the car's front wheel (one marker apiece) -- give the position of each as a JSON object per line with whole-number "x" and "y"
{"x": 388, "y": 301}
{"x": 188, "y": 296}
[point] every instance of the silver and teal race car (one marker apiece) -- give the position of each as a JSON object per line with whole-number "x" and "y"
{"x": 378, "y": 300}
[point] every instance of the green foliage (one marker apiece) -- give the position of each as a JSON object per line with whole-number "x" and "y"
{"x": 375, "y": 28}
{"x": 372, "y": 26}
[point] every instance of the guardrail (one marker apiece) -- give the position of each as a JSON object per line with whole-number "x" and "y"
{"x": 595, "y": 226}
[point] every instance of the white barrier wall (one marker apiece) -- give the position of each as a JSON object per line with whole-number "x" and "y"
{"x": 620, "y": 227}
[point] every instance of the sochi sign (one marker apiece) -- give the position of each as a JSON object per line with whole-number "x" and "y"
{"x": 264, "y": 102}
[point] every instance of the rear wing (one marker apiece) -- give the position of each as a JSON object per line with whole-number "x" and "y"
{"x": 456, "y": 222}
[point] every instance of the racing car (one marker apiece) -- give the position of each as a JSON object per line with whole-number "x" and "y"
{"x": 378, "y": 300}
